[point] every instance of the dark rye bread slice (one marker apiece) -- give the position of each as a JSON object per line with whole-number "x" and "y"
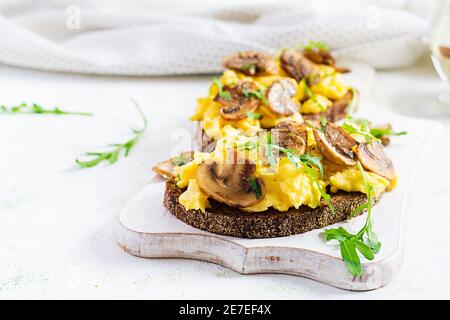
{"x": 229, "y": 221}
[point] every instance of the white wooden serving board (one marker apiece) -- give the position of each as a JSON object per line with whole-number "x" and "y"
{"x": 147, "y": 229}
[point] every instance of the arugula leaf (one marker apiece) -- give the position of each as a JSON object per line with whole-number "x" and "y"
{"x": 350, "y": 257}
{"x": 365, "y": 250}
{"x": 254, "y": 115}
{"x": 352, "y": 128}
{"x": 364, "y": 241}
{"x": 113, "y": 155}
{"x": 34, "y": 108}
{"x": 311, "y": 45}
{"x": 381, "y": 132}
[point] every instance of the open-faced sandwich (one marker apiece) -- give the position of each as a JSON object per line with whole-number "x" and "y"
{"x": 289, "y": 180}
{"x": 258, "y": 90}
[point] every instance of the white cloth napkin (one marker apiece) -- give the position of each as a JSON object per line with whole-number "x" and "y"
{"x": 146, "y": 38}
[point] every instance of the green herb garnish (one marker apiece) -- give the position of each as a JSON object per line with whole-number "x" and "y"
{"x": 358, "y": 126}
{"x": 34, "y": 108}
{"x": 254, "y": 115}
{"x": 365, "y": 241}
{"x": 259, "y": 94}
{"x": 305, "y": 88}
{"x": 362, "y": 127}
{"x": 381, "y": 132}
{"x": 323, "y": 124}
{"x": 311, "y": 45}
{"x": 113, "y": 155}
{"x": 255, "y": 187}
{"x": 179, "y": 161}
{"x": 224, "y": 94}
{"x": 306, "y": 161}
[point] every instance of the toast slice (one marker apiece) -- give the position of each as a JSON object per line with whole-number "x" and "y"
{"x": 230, "y": 221}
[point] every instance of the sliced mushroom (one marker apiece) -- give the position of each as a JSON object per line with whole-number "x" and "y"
{"x": 323, "y": 57}
{"x": 165, "y": 168}
{"x": 291, "y": 135}
{"x": 335, "y": 144}
{"x": 320, "y": 56}
{"x": 252, "y": 63}
{"x": 236, "y": 103}
{"x": 232, "y": 182}
{"x": 279, "y": 96}
{"x": 298, "y": 66}
{"x": 336, "y": 112}
{"x": 339, "y": 109}
{"x": 373, "y": 158}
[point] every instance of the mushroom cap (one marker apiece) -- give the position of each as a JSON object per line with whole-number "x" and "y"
{"x": 165, "y": 168}
{"x": 279, "y": 96}
{"x": 320, "y": 56}
{"x": 230, "y": 182}
{"x": 239, "y": 104}
{"x": 296, "y": 65}
{"x": 291, "y": 135}
{"x": 252, "y": 63}
{"x": 373, "y": 158}
{"x": 335, "y": 144}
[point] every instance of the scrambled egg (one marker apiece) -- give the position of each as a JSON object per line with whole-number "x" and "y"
{"x": 286, "y": 185}
{"x": 312, "y": 100}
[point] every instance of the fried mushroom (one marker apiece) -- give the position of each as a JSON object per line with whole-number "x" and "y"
{"x": 291, "y": 135}
{"x": 237, "y": 102}
{"x": 252, "y": 63}
{"x": 335, "y": 144}
{"x": 231, "y": 183}
{"x": 297, "y": 66}
{"x": 165, "y": 168}
{"x": 373, "y": 158}
{"x": 320, "y": 56}
{"x": 279, "y": 97}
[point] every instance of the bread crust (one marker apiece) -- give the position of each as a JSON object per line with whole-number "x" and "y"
{"x": 229, "y": 221}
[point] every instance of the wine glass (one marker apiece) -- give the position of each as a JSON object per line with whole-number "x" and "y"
{"x": 440, "y": 45}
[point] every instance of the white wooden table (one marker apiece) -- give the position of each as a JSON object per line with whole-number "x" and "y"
{"x": 56, "y": 221}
